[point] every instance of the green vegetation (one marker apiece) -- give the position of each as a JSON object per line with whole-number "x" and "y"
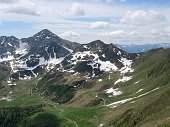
{"x": 5, "y": 71}
{"x": 41, "y": 120}
{"x": 164, "y": 123}
{"x": 74, "y": 101}
{"x": 10, "y": 116}
{"x": 134, "y": 116}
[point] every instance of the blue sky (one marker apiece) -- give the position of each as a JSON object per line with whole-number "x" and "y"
{"x": 112, "y": 21}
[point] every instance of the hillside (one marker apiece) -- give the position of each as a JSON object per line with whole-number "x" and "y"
{"x": 94, "y": 85}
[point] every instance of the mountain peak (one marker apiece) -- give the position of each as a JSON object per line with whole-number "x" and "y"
{"x": 96, "y": 43}
{"x": 45, "y": 33}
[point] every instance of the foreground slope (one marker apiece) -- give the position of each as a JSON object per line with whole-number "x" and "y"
{"x": 150, "y": 105}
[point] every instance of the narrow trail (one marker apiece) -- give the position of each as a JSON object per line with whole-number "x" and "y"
{"x": 61, "y": 111}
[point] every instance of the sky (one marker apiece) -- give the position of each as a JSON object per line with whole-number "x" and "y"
{"x": 83, "y": 21}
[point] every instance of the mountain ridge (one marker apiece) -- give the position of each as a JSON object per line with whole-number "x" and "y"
{"x": 95, "y": 84}
{"x": 46, "y": 48}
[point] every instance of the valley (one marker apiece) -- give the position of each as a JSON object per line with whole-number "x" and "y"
{"x": 59, "y": 83}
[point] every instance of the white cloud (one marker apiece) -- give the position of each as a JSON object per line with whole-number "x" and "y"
{"x": 77, "y": 9}
{"x": 109, "y": 1}
{"x": 136, "y": 36}
{"x": 7, "y": 1}
{"x": 141, "y": 17}
{"x": 70, "y": 35}
{"x": 139, "y": 26}
{"x": 99, "y": 25}
{"x": 113, "y": 33}
{"x": 23, "y": 7}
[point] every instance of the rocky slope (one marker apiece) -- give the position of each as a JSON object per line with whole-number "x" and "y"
{"x": 27, "y": 56}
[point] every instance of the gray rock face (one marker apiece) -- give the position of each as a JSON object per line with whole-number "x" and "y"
{"x": 8, "y": 44}
{"x": 96, "y": 57}
{"x": 27, "y": 54}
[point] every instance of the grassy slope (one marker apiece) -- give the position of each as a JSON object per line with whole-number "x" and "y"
{"x": 151, "y": 109}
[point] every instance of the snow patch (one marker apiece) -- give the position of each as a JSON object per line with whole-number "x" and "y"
{"x": 118, "y": 103}
{"x": 136, "y": 82}
{"x": 23, "y": 49}
{"x": 70, "y": 50}
{"x": 115, "y": 92}
{"x": 139, "y": 90}
{"x": 109, "y": 77}
{"x": 104, "y": 65}
{"x": 5, "y": 99}
{"x": 6, "y": 57}
{"x": 107, "y": 66}
{"x": 9, "y": 44}
{"x": 101, "y": 125}
{"x": 100, "y": 80}
{"x": 127, "y": 68}
{"x": 123, "y": 79}
{"x": 3, "y": 40}
{"x": 127, "y": 65}
{"x": 103, "y": 55}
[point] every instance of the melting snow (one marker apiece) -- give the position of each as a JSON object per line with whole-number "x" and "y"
{"x": 85, "y": 46}
{"x": 101, "y": 125}
{"x": 10, "y": 83}
{"x": 103, "y": 55}
{"x": 139, "y": 90}
{"x": 7, "y": 58}
{"x": 124, "y": 79}
{"x": 109, "y": 77}
{"x": 104, "y": 65}
{"x": 100, "y": 80}
{"x": 52, "y": 62}
{"x": 118, "y": 103}
{"x": 127, "y": 68}
{"x": 5, "y": 98}
{"x": 136, "y": 82}
{"x": 107, "y": 66}
{"x": 115, "y": 92}
{"x": 70, "y": 50}
{"x": 9, "y": 44}
{"x": 3, "y": 41}
{"x": 23, "y": 49}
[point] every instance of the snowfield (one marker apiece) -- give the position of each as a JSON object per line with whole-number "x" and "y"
{"x": 127, "y": 68}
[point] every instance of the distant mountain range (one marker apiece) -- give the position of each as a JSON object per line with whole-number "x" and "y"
{"x": 134, "y": 48}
